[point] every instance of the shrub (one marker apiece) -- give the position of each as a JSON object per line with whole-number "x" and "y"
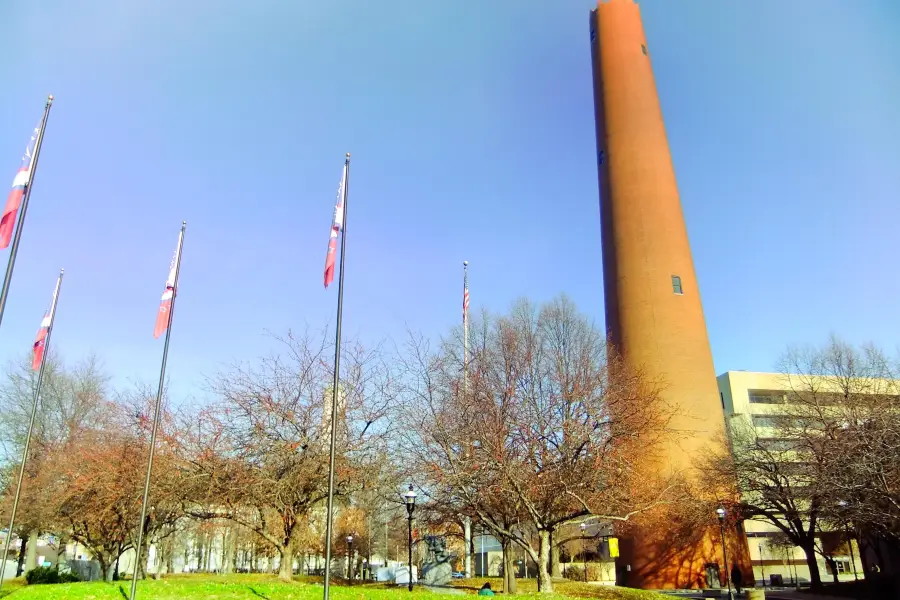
{"x": 44, "y": 575}
{"x": 575, "y": 572}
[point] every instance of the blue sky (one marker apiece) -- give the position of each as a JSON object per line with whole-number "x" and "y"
{"x": 471, "y": 129}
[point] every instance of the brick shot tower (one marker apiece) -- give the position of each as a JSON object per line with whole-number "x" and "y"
{"x": 653, "y": 311}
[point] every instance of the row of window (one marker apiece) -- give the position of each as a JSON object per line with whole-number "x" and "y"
{"x": 766, "y": 397}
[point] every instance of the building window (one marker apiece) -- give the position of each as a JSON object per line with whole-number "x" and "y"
{"x": 766, "y": 397}
{"x": 644, "y": 49}
{"x": 676, "y": 285}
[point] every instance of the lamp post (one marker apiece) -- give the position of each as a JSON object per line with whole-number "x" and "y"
{"x": 410, "y": 498}
{"x": 843, "y": 505}
{"x": 720, "y": 512}
{"x": 762, "y": 565}
{"x": 350, "y": 557}
{"x": 583, "y": 527}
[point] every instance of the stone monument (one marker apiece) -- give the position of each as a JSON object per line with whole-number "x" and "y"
{"x": 438, "y": 566}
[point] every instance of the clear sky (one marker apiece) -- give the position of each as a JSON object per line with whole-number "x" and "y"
{"x": 471, "y": 128}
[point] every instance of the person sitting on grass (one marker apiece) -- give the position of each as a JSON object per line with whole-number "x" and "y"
{"x": 486, "y": 590}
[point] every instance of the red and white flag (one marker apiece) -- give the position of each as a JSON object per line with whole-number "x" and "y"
{"x": 20, "y": 182}
{"x": 41, "y": 340}
{"x": 165, "y": 305}
{"x": 466, "y": 298}
{"x": 337, "y": 225}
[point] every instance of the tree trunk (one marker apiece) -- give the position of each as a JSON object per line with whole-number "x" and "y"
{"x": 115, "y": 576}
{"x": 140, "y": 569}
{"x": 286, "y": 566}
{"x": 199, "y": 541}
{"x": 228, "y": 552}
{"x": 509, "y": 573}
{"x": 833, "y": 564}
{"x": 815, "y": 578}
{"x": 545, "y": 584}
{"x": 170, "y": 558}
{"x": 31, "y": 554}
{"x": 23, "y": 547}
{"x": 207, "y": 550}
{"x": 555, "y": 566}
{"x": 106, "y": 567}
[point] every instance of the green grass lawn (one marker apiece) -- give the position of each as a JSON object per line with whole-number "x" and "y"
{"x": 267, "y": 587}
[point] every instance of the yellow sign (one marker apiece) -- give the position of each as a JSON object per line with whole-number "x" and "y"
{"x": 613, "y": 547}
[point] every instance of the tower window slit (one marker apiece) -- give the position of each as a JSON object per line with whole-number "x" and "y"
{"x": 676, "y": 285}
{"x": 644, "y": 49}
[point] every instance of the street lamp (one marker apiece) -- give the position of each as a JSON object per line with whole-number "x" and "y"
{"x": 410, "y": 498}
{"x": 350, "y": 557}
{"x": 843, "y": 505}
{"x": 583, "y": 527}
{"x": 720, "y": 512}
{"x": 762, "y": 565}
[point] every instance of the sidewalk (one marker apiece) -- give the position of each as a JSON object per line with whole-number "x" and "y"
{"x": 794, "y": 595}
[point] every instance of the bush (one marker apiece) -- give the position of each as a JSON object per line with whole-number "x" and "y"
{"x": 44, "y": 575}
{"x": 576, "y": 572}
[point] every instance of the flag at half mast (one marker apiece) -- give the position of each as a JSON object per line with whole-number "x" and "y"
{"x": 337, "y": 224}
{"x": 165, "y": 305}
{"x": 20, "y": 182}
{"x": 41, "y": 340}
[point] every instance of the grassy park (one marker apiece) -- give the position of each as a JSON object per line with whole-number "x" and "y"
{"x": 241, "y": 587}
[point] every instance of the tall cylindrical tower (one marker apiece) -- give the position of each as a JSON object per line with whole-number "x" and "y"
{"x": 653, "y": 311}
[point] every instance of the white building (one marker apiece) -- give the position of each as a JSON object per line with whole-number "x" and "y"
{"x": 754, "y": 400}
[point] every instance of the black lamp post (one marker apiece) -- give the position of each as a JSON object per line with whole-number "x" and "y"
{"x": 843, "y": 505}
{"x": 350, "y": 557}
{"x": 410, "y": 498}
{"x": 762, "y": 565}
{"x": 583, "y": 553}
{"x": 720, "y": 512}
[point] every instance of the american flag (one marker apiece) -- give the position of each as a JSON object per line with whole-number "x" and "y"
{"x": 20, "y": 182}
{"x": 465, "y": 291}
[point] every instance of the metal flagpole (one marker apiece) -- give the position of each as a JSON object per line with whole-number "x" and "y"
{"x": 334, "y": 389}
{"x": 34, "y": 405}
{"x": 156, "y": 410}
{"x": 465, "y": 326}
{"x": 17, "y": 234}
{"x": 467, "y": 526}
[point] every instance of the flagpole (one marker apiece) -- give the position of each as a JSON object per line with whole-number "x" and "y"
{"x": 156, "y": 411}
{"x": 467, "y": 522}
{"x": 34, "y": 405}
{"x": 466, "y": 326}
{"x": 334, "y": 389}
{"x": 17, "y": 234}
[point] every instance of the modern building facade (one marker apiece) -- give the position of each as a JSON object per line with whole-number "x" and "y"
{"x": 653, "y": 311}
{"x": 753, "y": 402}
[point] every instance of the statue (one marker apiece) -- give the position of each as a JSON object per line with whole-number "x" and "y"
{"x": 438, "y": 566}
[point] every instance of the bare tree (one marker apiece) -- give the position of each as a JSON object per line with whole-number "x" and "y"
{"x": 260, "y": 455}
{"x": 73, "y": 397}
{"x": 794, "y": 473}
{"x": 547, "y": 431}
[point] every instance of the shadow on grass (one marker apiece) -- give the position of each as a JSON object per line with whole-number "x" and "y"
{"x": 122, "y": 591}
{"x": 257, "y": 594}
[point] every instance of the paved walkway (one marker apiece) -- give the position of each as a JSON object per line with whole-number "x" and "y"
{"x": 785, "y": 594}
{"x": 794, "y": 595}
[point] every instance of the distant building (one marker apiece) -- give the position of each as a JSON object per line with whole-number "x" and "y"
{"x": 755, "y": 401}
